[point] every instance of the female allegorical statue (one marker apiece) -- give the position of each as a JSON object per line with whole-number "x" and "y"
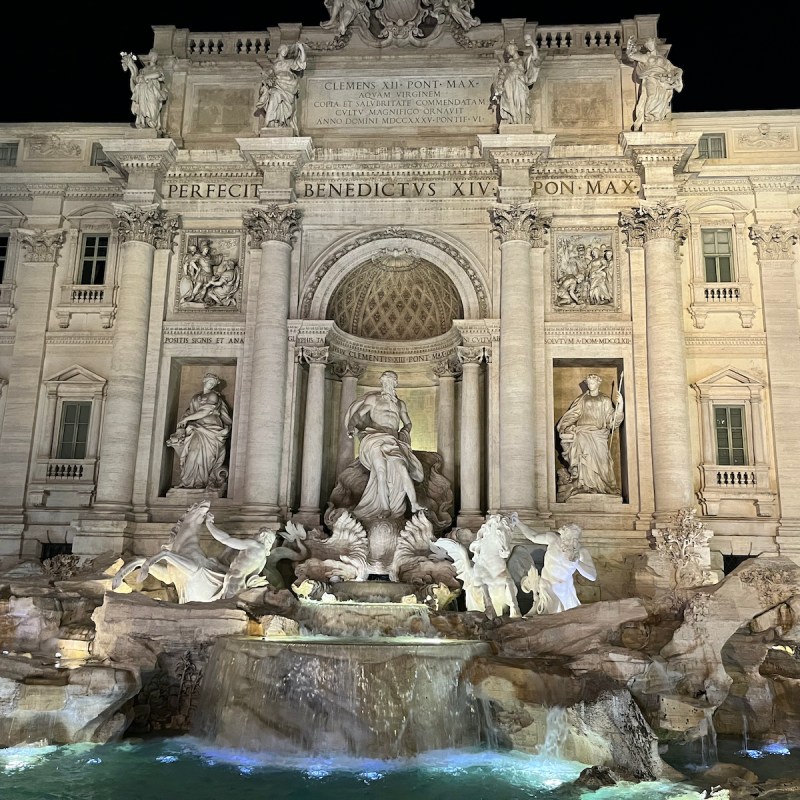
{"x": 201, "y": 437}
{"x": 277, "y": 98}
{"x": 148, "y": 93}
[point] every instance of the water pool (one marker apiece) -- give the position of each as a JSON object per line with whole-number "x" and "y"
{"x": 184, "y": 769}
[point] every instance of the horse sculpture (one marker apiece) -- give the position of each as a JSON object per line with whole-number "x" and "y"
{"x": 182, "y": 562}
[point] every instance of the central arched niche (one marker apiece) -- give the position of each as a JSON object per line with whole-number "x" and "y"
{"x": 395, "y": 295}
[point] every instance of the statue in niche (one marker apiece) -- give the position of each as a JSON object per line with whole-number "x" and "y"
{"x": 516, "y": 75}
{"x": 584, "y": 272}
{"x": 277, "y": 98}
{"x": 585, "y": 431}
{"x": 554, "y": 590}
{"x": 201, "y": 440}
{"x": 148, "y": 93}
{"x": 381, "y": 422}
{"x": 344, "y": 13}
{"x": 210, "y": 279}
{"x": 657, "y": 78}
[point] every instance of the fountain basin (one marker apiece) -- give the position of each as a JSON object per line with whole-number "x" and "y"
{"x": 388, "y": 697}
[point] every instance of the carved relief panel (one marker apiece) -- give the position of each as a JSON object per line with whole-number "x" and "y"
{"x": 210, "y": 272}
{"x": 585, "y": 274}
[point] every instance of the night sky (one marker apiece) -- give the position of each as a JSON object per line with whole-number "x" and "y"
{"x": 65, "y": 67}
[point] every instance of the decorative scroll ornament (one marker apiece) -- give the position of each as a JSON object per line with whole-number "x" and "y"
{"x": 149, "y": 224}
{"x": 272, "y": 223}
{"x": 659, "y": 221}
{"x": 774, "y": 243}
{"x": 313, "y": 355}
{"x": 345, "y": 368}
{"x": 41, "y": 245}
{"x": 519, "y": 223}
{"x": 473, "y": 355}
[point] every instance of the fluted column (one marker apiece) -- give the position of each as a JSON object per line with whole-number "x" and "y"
{"x": 273, "y": 228}
{"x": 447, "y": 371}
{"x": 34, "y": 280}
{"x": 314, "y": 432}
{"x": 142, "y": 229}
{"x": 776, "y": 246}
{"x": 660, "y": 228}
{"x": 471, "y": 434}
{"x": 518, "y": 228}
{"x": 349, "y": 372}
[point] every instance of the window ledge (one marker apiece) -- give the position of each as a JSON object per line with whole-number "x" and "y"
{"x": 78, "y": 298}
{"x": 747, "y": 482}
{"x": 713, "y": 298}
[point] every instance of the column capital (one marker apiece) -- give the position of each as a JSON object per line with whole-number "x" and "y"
{"x": 447, "y": 368}
{"x": 272, "y": 223}
{"x": 146, "y": 223}
{"x": 313, "y": 355}
{"x": 776, "y": 242}
{"x": 345, "y": 368}
{"x": 473, "y": 355}
{"x": 41, "y": 246}
{"x": 519, "y": 223}
{"x": 657, "y": 221}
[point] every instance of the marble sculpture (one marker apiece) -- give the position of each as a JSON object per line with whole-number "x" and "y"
{"x": 658, "y": 78}
{"x": 516, "y": 75}
{"x": 148, "y": 93}
{"x": 277, "y": 98}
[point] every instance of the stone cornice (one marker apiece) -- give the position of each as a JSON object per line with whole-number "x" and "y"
{"x": 371, "y": 351}
{"x": 697, "y": 184}
{"x": 272, "y": 223}
{"x": 91, "y": 191}
{"x": 657, "y": 221}
{"x": 776, "y": 242}
{"x": 590, "y": 168}
{"x": 270, "y": 152}
{"x": 772, "y": 183}
{"x": 141, "y": 155}
{"x": 476, "y": 332}
{"x": 519, "y": 223}
{"x": 47, "y": 189}
{"x": 149, "y": 224}
{"x": 41, "y": 246}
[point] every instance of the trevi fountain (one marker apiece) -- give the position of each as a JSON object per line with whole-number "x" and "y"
{"x": 440, "y": 528}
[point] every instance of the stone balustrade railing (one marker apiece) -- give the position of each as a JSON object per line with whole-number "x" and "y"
{"x": 238, "y": 44}
{"x": 604, "y": 37}
{"x": 81, "y": 294}
{"x": 735, "y": 479}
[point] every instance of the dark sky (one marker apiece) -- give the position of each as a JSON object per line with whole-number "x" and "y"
{"x": 65, "y": 67}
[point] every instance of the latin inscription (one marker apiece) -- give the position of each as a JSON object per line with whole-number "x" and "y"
{"x": 390, "y": 102}
{"x": 212, "y": 340}
{"x": 391, "y": 189}
{"x": 600, "y": 187}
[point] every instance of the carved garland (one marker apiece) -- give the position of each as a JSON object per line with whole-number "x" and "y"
{"x": 396, "y": 233}
{"x": 272, "y": 223}
{"x": 149, "y": 224}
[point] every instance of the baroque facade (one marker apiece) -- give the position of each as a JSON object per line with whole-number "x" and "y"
{"x": 506, "y": 216}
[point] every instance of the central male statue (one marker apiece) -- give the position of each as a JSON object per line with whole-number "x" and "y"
{"x": 381, "y": 422}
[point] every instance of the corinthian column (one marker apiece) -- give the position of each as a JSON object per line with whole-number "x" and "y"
{"x": 471, "y": 435}
{"x": 272, "y": 228}
{"x": 34, "y": 280}
{"x": 349, "y": 372}
{"x": 447, "y": 371}
{"x": 776, "y": 255}
{"x": 142, "y": 229}
{"x": 518, "y": 229}
{"x": 314, "y": 434}
{"x": 660, "y": 228}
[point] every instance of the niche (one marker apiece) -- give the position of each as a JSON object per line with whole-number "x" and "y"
{"x": 585, "y": 442}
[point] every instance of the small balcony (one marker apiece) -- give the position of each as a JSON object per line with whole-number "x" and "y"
{"x": 63, "y": 482}
{"x": 80, "y": 298}
{"x": 713, "y": 298}
{"x": 6, "y": 304}
{"x": 724, "y": 482}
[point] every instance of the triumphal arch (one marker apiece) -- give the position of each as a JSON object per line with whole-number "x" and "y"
{"x": 589, "y": 304}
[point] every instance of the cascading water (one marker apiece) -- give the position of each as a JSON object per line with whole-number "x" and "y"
{"x": 379, "y": 698}
{"x": 555, "y": 733}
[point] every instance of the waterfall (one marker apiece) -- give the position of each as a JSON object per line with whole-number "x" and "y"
{"x": 712, "y": 754}
{"x": 378, "y": 698}
{"x": 556, "y": 732}
{"x": 745, "y": 743}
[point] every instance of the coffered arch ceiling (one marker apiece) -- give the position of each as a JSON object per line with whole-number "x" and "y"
{"x": 395, "y": 295}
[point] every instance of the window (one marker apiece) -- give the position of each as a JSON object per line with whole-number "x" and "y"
{"x": 3, "y": 254}
{"x": 711, "y": 145}
{"x": 8, "y": 154}
{"x": 73, "y": 434}
{"x": 729, "y": 426}
{"x": 93, "y": 263}
{"x": 717, "y": 255}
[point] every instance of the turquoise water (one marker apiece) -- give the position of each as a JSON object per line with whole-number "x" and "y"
{"x": 181, "y": 768}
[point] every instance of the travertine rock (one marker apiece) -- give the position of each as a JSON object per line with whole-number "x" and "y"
{"x": 60, "y": 706}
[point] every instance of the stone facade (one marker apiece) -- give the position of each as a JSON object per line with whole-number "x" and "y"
{"x": 491, "y": 265}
